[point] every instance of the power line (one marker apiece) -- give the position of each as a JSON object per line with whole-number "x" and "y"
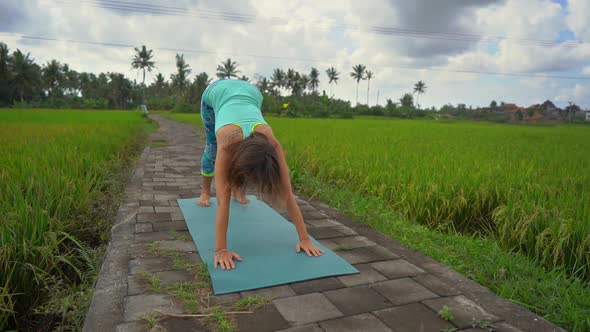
{"x": 283, "y": 58}
{"x": 249, "y": 18}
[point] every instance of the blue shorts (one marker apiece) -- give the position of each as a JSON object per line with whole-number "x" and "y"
{"x": 210, "y": 152}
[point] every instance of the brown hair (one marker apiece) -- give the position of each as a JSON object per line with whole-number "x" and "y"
{"x": 254, "y": 162}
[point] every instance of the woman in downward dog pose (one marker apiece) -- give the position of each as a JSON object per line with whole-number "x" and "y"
{"x": 241, "y": 150}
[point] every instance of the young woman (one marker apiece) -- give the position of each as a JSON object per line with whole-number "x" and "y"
{"x": 241, "y": 150}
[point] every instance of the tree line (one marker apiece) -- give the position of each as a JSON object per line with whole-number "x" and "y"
{"x": 24, "y": 83}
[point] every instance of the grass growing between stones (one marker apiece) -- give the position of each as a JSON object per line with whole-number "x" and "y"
{"x": 61, "y": 177}
{"x": 194, "y": 295}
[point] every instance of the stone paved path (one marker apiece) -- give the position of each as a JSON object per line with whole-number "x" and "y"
{"x": 397, "y": 289}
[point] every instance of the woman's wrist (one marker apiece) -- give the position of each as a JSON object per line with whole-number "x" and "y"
{"x": 217, "y": 252}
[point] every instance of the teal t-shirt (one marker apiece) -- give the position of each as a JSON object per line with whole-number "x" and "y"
{"x": 235, "y": 102}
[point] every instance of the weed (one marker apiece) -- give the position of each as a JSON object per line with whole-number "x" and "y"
{"x": 179, "y": 237}
{"x": 446, "y": 313}
{"x": 343, "y": 248}
{"x": 252, "y": 302}
{"x": 152, "y": 319}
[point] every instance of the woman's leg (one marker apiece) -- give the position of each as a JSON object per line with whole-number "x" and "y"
{"x": 209, "y": 154}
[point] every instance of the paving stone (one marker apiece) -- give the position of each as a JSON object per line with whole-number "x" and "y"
{"x": 161, "y": 209}
{"x": 165, "y": 197}
{"x": 146, "y": 209}
{"x": 153, "y": 217}
{"x": 367, "y": 275}
{"x": 138, "y": 283}
{"x": 173, "y": 203}
{"x": 151, "y": 202}
{"x": 412, "y": 317}
{"x": 465, "y": 311}
{"x": 138, "y": 305}
{"x": 135, "y": 326}
{"x": 224, "y": 299}
{"x": 143, "y": 227}
{"x": 152, "y": 237}
{"x": 366, "y": 255}
{"x": 183, "y": 324}
{"x": 177, "y": 216}
{"x": 356, "y": 300}
{"x": 265, "y": 319}
{"x": 345, "y": 230}
{"x": 402, "y": 291}
{"x": 316, "y": 285}
{"x": 354, "y": 241}
{"x": 147, "y": 197}
{"x": 304, "y": 309}
{"x": 314, "y": 214}
{"x": 329, "y": 244}
{"x": 496, "y": 327}
{"x": 304, "y": 328}
{"x": 362, "y": 322}
{"x": 275, "y": 292}
{"x": 398, "y": 268}
{"x": 306, "y": 208}
{"x": 170, "y": 226}
{"x": 154, "y": 264}
{"x": 322, "y": 222}
{"x": 177, "y": 245}
{"x": 320, "y": 233}
{"x": 437, "y": 285}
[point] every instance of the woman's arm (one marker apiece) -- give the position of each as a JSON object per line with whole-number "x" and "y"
{"x": 305, "y": 243}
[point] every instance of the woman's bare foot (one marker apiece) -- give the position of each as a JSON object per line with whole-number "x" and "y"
{"x": 204, "y": 200}
{"x": 240, "y": 197}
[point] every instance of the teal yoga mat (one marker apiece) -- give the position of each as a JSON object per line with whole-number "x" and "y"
{"x": 265, "y": 241}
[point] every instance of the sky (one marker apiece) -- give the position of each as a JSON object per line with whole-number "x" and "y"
{"x": 457, "y": 47}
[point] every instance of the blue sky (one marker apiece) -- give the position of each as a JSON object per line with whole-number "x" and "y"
{"x": 306, "y": 29}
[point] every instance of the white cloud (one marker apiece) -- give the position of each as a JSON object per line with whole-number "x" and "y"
{"x": 313, "y": 30}
{"x": 578, "y": 18}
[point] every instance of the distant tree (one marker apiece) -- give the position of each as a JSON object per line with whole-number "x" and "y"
{"x": 358, "y": 74}
{"x": 407, "y": 100}
{"x": 4, "y": 74}
{"x": 369, "y": 75}
{"x": 71, "y": 82}
{"x": 304, "y": 82}
{"x": 159, "y": 85}
{"x": 571, "y": 110}
{"x": 53, "y": 78}
{"x": 120, "y": 90}
{"x": 180, "y": 79}
{"x": 142, "y": 60}
{"x": 291, "y": 78}
{"x": 264, "y": 85}
{"x": 419, "y": 88}
{"x": 245, "y": 78}
{"x": 333, "y": 77}
{"x": 314, "y": 81}
{"x": 25, "y": 75}
{"x": 278, "y": 80}
{"x": 227, "y": 69}
{"x": 493, "y": 105}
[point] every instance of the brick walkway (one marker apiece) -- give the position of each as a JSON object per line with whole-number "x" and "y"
{"x": 397, "y": 289}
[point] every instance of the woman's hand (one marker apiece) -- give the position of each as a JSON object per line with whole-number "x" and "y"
{"x": 225, "y": 259}
{"x": 309, "y": 248}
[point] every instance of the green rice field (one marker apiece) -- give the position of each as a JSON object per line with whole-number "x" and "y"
{"x": 60, "y": 176}
{"x": 506, "y": 205}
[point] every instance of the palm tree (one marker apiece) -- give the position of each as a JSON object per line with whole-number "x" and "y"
{"x": 333, "y": 76}
{"x": 245, "y": 78}
{"x": 369, "y": 75}
{"x": 278, "y": 79}
{"x": 159, "y": 84}
{"x": 358, "y": 73}
{"x": 264, "y": 85}
{"x": 142, "y": 61}
{"x": 25, "y": 74}
{"x": 53, "y": 78}
{"x": 420, "y": 87}
{"x": 227, "y": 69}
{"x": 4, "y": 74}
{"x": 291, "y": 79}
{"x": 304, "y": 82}
{"x": 180, "y": 79}
{"x": 314, "y": 81}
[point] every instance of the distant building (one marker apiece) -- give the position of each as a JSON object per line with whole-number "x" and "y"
{"x": 587, "y": 115}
